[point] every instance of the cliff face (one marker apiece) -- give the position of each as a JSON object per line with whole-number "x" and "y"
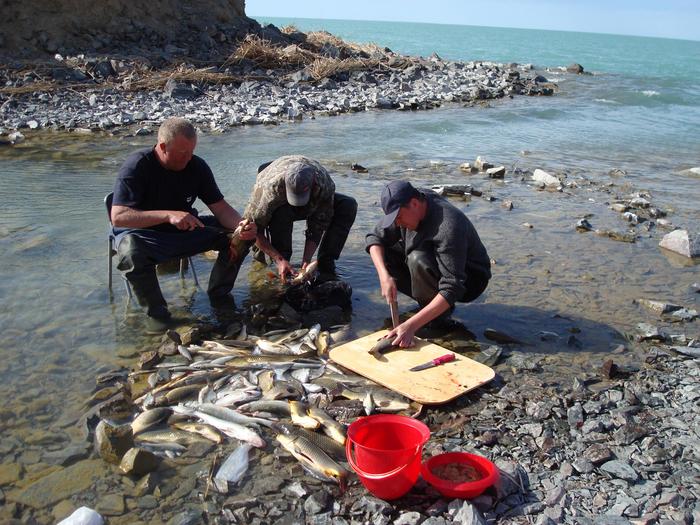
{"x": 41, "y": 28}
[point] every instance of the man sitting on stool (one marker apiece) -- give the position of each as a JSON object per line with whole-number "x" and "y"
{"x": 154, "y": 221}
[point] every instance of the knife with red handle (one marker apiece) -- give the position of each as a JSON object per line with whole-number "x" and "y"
{"x": 434, "y": 362}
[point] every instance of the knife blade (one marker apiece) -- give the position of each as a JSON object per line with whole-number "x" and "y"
{"x": 394, "y": 307}
{"x": 434, "y": 362}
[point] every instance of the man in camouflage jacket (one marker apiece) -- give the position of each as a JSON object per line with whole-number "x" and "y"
{"x": 293, "y": 188}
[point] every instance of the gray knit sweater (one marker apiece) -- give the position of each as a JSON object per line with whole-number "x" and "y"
{"x": 447, "y": 233}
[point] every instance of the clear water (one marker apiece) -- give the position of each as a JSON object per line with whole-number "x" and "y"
{"x": 638, "y": 112}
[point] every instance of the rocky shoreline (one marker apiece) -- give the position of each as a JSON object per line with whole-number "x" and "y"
{"x": 301, "y": 76}
{"x": 616, "y": 445}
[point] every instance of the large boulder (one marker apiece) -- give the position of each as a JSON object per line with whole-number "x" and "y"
{"x": 682, "y": 242}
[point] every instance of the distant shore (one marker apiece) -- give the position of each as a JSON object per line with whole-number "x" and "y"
{"x": 303, "y": 75}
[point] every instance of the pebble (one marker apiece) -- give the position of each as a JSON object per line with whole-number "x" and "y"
{"x": 620, "y": 469}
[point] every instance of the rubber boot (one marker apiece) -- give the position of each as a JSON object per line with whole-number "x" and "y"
{"x": 148, "y": 294}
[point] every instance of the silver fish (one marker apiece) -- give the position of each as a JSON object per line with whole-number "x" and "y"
{"x": 383, "y": 400}
{"x": 229, "y": 428}
{"x": 325, "y": 443}
{"x": 314, "y": 459}
{"x": 330, "y": 426}
{"x": 169, "y": 436}
{"x": 228, "y": 414}
{"x": 305, "y": 275}
{"x": 184, "y": 352}
{"x": 149, "y": 418}
{"x": 368, "y": 403}
{"x": 206, "y": 431}
{"x": 293, "y": 336}
{"x": 300, "y": 416}
{"x": 267, "y": 405}
{"x": 235, "y": 397}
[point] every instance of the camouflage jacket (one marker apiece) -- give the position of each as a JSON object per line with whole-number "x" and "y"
{"x": 269, "y": 194}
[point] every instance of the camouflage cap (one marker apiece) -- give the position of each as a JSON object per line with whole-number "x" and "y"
{"x": 298, "y": 183}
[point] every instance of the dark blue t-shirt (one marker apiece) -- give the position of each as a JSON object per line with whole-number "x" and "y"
{"x": 144, "y": 184}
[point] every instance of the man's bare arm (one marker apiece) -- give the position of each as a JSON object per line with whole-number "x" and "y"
{"x": 126, "y": 217}
{"x": 229, "y": 218}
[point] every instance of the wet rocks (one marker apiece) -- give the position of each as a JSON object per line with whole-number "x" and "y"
{"x": 682, "y": 242}
{"x": 59, "y": 485}
{"x": 179, "y": 90}
{"x": 496, "y": 173}
{"x": 9, "y": 473}
{"x": 545, "y": 178}
{"x": 138, "y": 462}
{"x": 583, "y": 226}
{"x": 574, "y": 68}
{"x": 112, "y": 442}
{"x": 658, "y": 307}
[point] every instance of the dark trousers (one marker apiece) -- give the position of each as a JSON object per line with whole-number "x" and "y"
{"x": 333, "y": 241}
{"x": 418, "y": 275}
{"x": 140, "y": 250}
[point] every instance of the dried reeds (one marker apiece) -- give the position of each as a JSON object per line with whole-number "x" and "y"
{"x": 181, "y": 74}
{"x": 327, "y": 67}
{"x": 265, "y": 54}
{"x": 318, "y": 39}
{"x": 288, "y": 29}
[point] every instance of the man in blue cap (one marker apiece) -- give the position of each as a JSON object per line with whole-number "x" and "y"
{"x": 429, "y": 250}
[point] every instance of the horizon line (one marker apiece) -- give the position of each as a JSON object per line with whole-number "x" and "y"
{"x": 484, "y": 26}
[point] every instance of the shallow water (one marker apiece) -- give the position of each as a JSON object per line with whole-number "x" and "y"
{"x": 59, "y": 328}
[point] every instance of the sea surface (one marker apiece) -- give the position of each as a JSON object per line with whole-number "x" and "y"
{"x": 638, "y": 111}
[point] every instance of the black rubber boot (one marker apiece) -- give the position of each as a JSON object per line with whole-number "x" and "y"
{"x": 333, "y": 241}
{"x": 147, "y": 291}
{"x": 326, "y": 270}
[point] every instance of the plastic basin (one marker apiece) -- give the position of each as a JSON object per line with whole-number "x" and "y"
{"x": 463, "y": 490}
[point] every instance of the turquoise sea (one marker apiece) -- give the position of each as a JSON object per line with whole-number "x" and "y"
{"x": 637, "y": 111}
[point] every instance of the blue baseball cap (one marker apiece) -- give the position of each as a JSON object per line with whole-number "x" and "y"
{"x": 394, "y": 195}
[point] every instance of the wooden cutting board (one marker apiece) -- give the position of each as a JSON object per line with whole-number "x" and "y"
{"x": 433, "y": 386}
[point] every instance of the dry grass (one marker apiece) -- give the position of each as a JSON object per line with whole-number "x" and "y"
{"x": 319, "y": 38}
{"x": 326, "y": 67}
{"x": 182, "y": 73}
{"x": 270, "y": 56}
{"x": 144, "y": 80}
{"x": 289, "y": 29}
{"x": 43, "y": 86}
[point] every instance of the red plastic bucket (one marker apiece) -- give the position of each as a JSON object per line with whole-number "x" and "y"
{"x": 387, "y": 453}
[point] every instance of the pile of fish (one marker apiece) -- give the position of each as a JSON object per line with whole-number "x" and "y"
{"x": 278, "y": 387}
